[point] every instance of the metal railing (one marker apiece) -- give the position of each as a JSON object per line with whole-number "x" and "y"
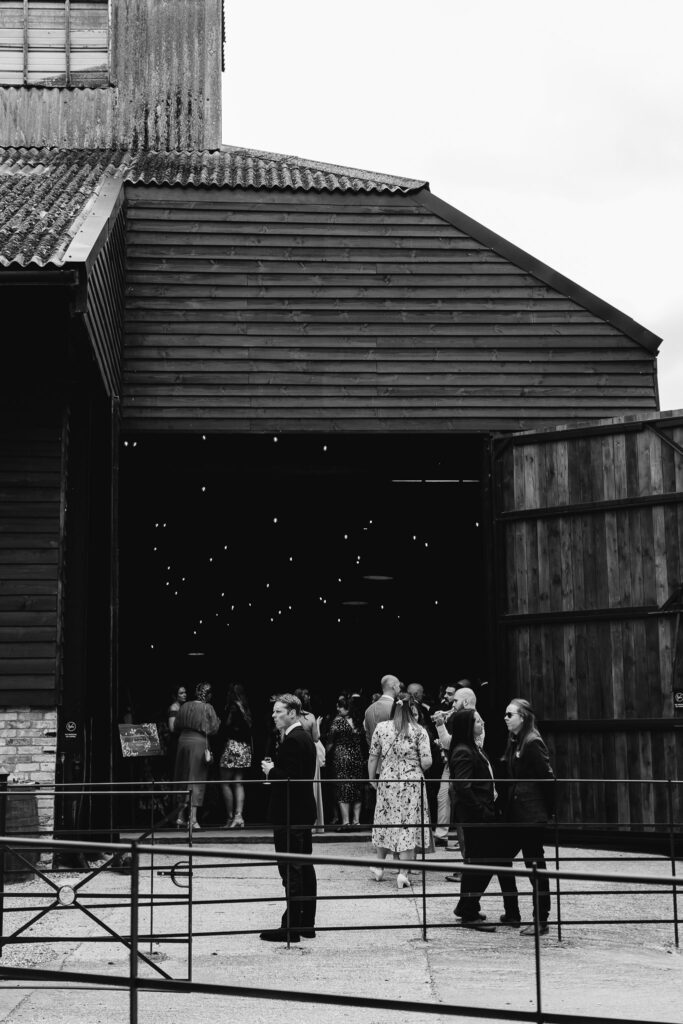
{"x": 118, "y": 853}
{"x": 134, "y": 983}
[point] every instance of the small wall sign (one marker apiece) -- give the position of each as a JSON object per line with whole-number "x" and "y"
{"x": 140, "y": 740}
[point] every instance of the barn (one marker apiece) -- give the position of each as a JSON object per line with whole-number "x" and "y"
{"x": 300, "y": 424}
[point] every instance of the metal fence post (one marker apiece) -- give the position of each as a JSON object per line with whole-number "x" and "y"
{"x": 190, "y": 876}
{"x": 288, "y": 832}
{"x": 134, "y": 910}
{"x": 3, "y": 830}
{"x": 672, "y": 853}
{"x": 537, "y": 941}
{"x": 557, "y": 867}
{"x": 424, "y": 873}
{"x": 151, "y": 876}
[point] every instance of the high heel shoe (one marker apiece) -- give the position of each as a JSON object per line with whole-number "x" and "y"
{"x": 237, "y": 821}
{"x": 377, "y": 874}
{"x": 402, "y": 881}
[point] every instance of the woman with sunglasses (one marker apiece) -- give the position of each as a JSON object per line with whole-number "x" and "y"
{"x": 531, "y": 797}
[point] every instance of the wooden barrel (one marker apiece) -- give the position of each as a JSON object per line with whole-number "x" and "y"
{"x": 21, "y": 820}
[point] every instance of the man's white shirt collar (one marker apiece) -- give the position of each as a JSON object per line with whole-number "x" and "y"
{"x": 294, "y": 725}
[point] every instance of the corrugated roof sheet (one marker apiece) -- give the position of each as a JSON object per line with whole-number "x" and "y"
{"x": 45, "y": 193}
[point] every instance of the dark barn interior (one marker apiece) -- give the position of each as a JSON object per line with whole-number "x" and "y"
{"x": 316, "y": 561}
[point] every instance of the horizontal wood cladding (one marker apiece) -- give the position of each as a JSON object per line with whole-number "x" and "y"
{"x": 30, "y": 560}
{"x": 258, "y": 311}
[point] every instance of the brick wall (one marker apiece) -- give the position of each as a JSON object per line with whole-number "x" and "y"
{"x": 28, "y": 742}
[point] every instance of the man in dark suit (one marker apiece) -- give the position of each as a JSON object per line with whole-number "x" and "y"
{"x": 292, "y": 813}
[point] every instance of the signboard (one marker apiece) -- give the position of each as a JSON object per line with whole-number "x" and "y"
{"x": 140, "y": 740}
{"x": 678, "y": 700}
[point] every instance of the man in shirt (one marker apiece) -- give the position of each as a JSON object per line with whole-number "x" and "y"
{"x": 292, "y": 812}
{"x": 380, "y": 710}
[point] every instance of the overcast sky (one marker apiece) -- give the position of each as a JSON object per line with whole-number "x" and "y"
{"x": 559, "y": 126}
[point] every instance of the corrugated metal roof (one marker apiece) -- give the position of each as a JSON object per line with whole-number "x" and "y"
{"x": 45, "y": 193}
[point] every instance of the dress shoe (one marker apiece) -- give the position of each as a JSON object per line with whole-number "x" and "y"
{"x": 441, "y": 841}
{"x": 511, "y": 922}
{"x": 455, "y": 877}
{"x": 478, "y": 926}
{"x": 307, "y": 933}
{"x": 279, "y": 935}
{"x": 402, "y": 881}
{"x": 530, "y": 929}
{"x": 479, "y": 917}
{"x": 377, "y": 874}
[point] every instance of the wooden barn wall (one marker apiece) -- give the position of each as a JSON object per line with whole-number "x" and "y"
{"x": 104, "y": 306}
{"x": 31, "y": 530}
{"x": 164, "y": 90}
{"x": 252, "y": 310}
{"x": 592, "y": 541}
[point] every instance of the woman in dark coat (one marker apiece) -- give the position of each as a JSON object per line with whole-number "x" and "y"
{"x": 474, "y": 794}
{"x": 531, "y": 800}
{"x": 194, "y": 723}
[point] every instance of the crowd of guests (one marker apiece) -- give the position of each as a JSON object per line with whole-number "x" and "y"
{"x": 417, "y": 772}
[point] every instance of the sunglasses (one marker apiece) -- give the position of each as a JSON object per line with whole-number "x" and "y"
{"x": 511, "y": 714}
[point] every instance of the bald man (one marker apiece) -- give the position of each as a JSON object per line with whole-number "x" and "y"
{"x": 381, "y": 709}
{"x": 464, "y": 698}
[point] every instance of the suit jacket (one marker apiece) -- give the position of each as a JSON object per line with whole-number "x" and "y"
{"x": 471, "y": 785}
{"x": 295, "y": 758}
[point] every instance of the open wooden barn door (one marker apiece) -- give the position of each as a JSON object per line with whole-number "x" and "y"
{"x": 589, "y": 558}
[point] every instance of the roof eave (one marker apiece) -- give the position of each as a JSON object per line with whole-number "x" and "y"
{"x": 610, "y": 314}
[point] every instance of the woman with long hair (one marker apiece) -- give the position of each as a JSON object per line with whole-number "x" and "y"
{"x": 474, "y": 794}
{"x": 195, "y": 722}
{"x": 401, "y": 820}
{"x": 346, "y": 744}
{"x": 531, "y": 799}
{"x": 237, "y": 753}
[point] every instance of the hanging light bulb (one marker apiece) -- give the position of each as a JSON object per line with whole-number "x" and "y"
{"x": 274, "y": 519}
{"x": 275, "y": 440}
{"x": 203, "y": 489}
{"x": 152, "y": 646}
{"x": 203, "y": 437}
{"x": 125, "y": 444}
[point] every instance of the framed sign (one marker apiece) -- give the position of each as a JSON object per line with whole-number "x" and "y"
{"x": 140, "y": 740}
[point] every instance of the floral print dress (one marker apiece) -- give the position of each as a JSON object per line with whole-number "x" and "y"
{"x": 401, "y": 815}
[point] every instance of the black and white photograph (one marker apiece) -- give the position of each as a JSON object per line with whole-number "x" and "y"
{"x": 341, "y": 511}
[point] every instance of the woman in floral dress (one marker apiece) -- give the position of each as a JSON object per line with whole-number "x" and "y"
{"x": 401, "y": 818}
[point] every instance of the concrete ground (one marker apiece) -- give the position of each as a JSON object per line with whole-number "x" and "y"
{"x": 622, "y": 970}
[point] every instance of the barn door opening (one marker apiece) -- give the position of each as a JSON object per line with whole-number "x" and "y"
{"x": 589, "y": 526}
{"x": 318, "y": 562}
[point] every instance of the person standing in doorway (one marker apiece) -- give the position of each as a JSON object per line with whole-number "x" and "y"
{"x": 292, "y": 811}
{"x": 236, "y": 756}
{"x": 195, "y": 722}
{"x": 464, "y": 699}
{"x": 381, "y": 709}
